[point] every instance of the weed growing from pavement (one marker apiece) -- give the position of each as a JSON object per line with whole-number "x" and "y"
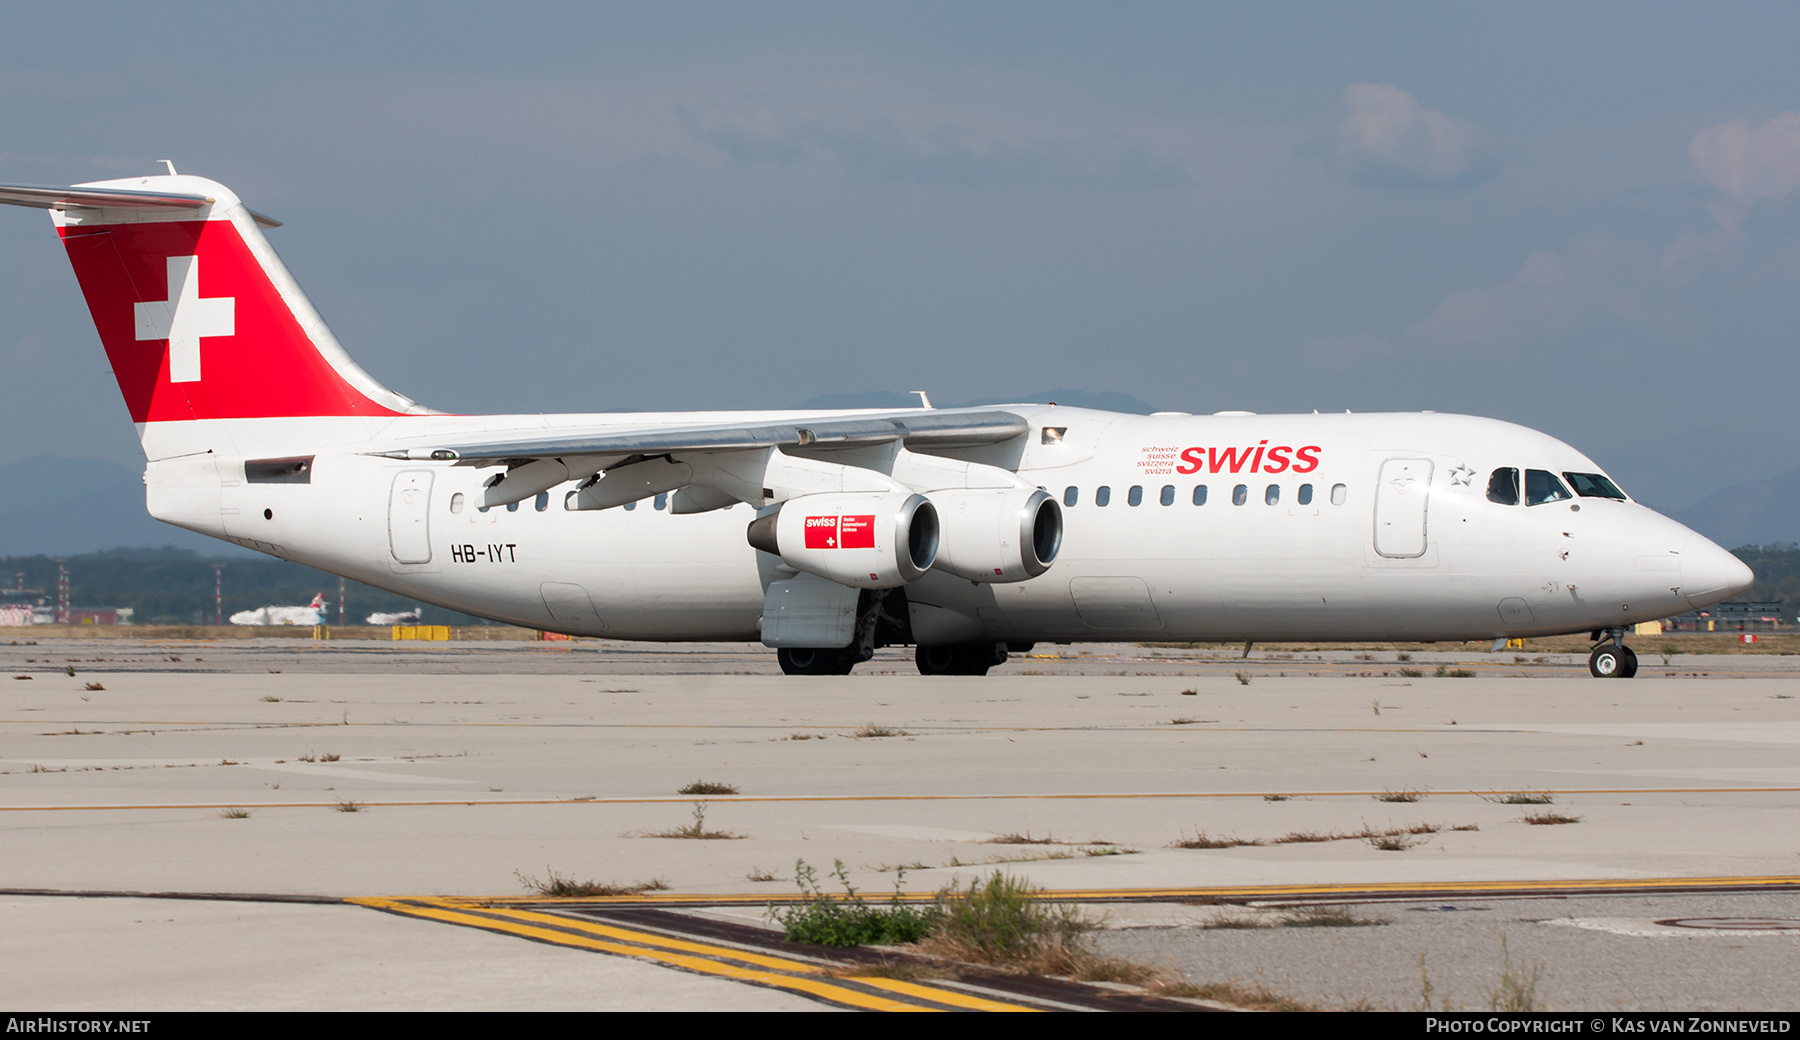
{"x": 1543, "y": 819}
{"x": 708, "y": 787}
{"x": 1517, "y": 991}
{"x": 234, "y": 814}
{"x": 1243, "y": 678}
{"x": 565, "y": 886}
{"x": 1520, "y": 797}
{"x": 697, "y": 829}
{"x": 872, "y": 730}
{"x": 1405, "y": 794}
{"x": 1203, "y": 840}
{"x": 848, "y": 920}
{"x": 1323, "y": 916}
{"x": 349, "y": 806}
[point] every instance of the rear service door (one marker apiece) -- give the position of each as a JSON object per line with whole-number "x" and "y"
{"x": 409, "y": 514}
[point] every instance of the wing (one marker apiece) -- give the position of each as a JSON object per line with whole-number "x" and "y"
{"x": 736, "y": 461}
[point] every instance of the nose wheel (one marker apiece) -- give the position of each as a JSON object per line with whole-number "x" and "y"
{"x": 1612, "y": 661}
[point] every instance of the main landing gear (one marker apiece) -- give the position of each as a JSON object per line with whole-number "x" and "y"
{"x": 810, "y": 661}
{"x": 1612, "y": 659}
{"x": 963, "y": 659}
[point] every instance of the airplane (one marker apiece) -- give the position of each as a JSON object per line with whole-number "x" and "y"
{"x": 311, "y": 614}
{"x": 967, "y": 533}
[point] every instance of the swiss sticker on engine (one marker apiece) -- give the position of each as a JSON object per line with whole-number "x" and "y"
{"x": 821, "y": 532}
{"x": 840, "y": 532}
{"x": 856, "y": 532}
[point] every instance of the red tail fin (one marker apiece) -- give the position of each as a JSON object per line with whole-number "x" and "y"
{"x": 198, "y": 316}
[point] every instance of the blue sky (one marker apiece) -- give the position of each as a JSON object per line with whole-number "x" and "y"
{"x": 1584, "y": 218}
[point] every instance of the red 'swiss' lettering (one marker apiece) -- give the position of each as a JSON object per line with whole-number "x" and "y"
{"x": 1260, "y": 457}
{"x": 1230, "y": 457}
{"x": 821, "y": 532}
{"x": 840, "y": 532}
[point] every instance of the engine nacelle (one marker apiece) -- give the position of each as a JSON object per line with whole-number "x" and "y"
{"x": 867, "y": 540}
{"x": 997, "y": 536}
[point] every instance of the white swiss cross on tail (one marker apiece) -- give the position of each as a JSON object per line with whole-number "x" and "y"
{"x": 184, "y": 318}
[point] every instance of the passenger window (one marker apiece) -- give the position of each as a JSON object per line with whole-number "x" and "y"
{"x": 1102, "y": 495}
{"x": 512, "y": 507}
{"x": 1503, "y": 486}
{"x": 1542, "y": 486}
{"x": 1134, "y": 497}
{"x": 543, "y": 501}
{"x": 456, "y": 502}
{"x": 1199, "y": 494}
{"x": 662, "y": 500}
{"x": 1594, "y": 485}
{"x": 481, "y": 509}
{"x": 1240, "y": 495}
{"x": 1338, "y": 494}
{"x": 1305, "y": 496}
{"x": 1271, "y": 494}
{"x": 569, "y": 500}
{"x": 629, "y": 506}
{"x": 1071, "y": 495}
{"x": 1168, "y": 494}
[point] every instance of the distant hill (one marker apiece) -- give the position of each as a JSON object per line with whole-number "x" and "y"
{"x": 56, "y": 507}
{"x": 1756, "y": 512}
{"x": 175, "y": 586}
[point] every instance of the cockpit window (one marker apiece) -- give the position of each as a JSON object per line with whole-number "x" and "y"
{"x": 1542, "y": 486}
{"x": 1503, "y": 486}
{"x": 1594, "y": 485}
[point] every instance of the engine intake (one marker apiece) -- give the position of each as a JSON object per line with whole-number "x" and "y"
{"x": 997, "y": 536}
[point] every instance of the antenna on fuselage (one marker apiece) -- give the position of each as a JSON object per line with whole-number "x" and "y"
{"x": 170, "y": 164}
{"x": 924, "y": 401}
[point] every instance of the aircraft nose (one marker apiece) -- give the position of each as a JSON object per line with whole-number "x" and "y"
{"x": 1709, "y": 574}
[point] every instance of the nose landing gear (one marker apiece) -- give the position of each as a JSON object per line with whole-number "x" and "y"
{"x": 1612, "y": 660}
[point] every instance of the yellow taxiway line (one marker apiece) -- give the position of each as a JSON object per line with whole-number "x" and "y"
{"x": 811, "y": 979}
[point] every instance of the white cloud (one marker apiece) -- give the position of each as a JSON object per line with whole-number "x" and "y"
{"x": 1553, "y": 293}
{"x": 1387, "y": 134}
{"x": 1748, "y": 164}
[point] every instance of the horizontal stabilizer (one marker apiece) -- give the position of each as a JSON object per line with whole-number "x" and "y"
{"x": 99, "y": 198}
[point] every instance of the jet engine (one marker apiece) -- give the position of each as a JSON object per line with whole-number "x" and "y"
{"x": 867, "y": 540}
{"x": 997, "y": 536}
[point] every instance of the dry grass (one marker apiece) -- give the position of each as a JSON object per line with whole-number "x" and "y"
{"x": 1405, "y": 794}
{"x": 1520, "y": 797}
{"x": 565, "y": 886}
{"x": 697, "y": 829}
{"x": 1251, "y": 998}
{"x": 1203, "y": 840}
{"x": 1544, "y": 819}
{"x": 708, "y": 787}
{"x": 872, "y": 730}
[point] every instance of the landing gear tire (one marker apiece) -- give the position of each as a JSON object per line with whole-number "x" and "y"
{"x": 810, "y": 661}
{"x": 964, "y": 659}
{"x": 1612, "y": 662}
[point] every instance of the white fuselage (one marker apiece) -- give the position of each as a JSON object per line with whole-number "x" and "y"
{"x": 1409, "y": 547}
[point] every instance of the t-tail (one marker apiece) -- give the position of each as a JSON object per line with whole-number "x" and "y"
{"x": 206, "y": 330}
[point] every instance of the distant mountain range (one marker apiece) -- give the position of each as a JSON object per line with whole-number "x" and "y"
{"x": 1756, "y": 512}
{"x": 60, "y": 507}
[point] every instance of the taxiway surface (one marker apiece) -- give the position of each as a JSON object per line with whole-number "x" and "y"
{"x": 472, "y": 767}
